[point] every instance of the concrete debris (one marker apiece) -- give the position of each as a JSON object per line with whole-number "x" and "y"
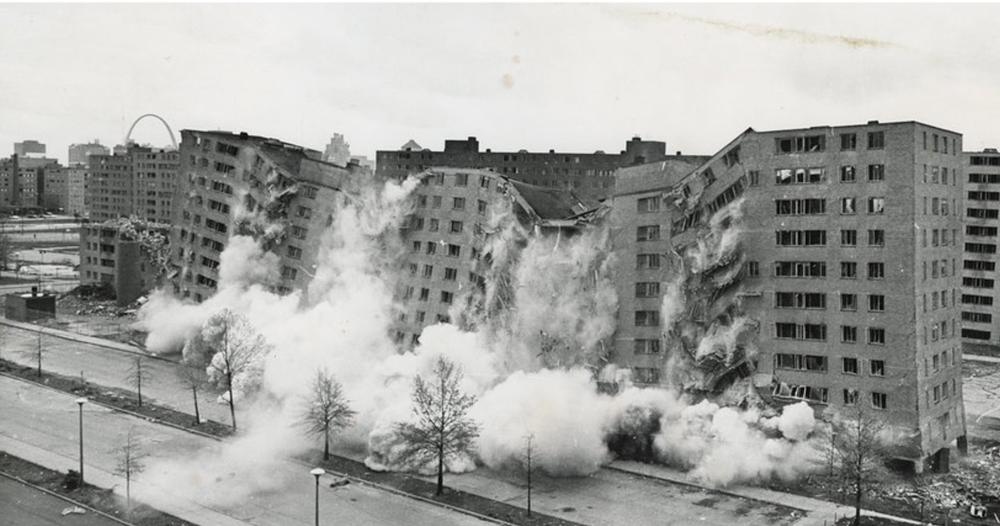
{"x": 74, "y": 509}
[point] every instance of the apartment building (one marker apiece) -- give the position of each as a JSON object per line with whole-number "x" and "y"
{"x": 821, "y": 260}
{"x": 589, "y": 175}
{"x": 139, "y": 182}
{"x": 282, "y": 194}
{"x": 79, "y": 154}
{"x": 981, "y": 218}
{"x": 116, "y": 253}
{"x": 446, "y": 239}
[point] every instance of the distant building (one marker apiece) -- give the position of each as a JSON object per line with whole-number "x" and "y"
{"x": 55, "y": 188}
{"x": 834, "y": 282}
{"x": 79, "y": 154}
{"x": 981, "y": 221}
{"x": 338, "y": 151}
{"x": 22, "y": 186}
{"x": 140, "y": 183}
{"x": 124, "y": 254}
{"x": 589, "y": 175}
{"x": 76, "y": 190}
{"x": 29, "y": 148}
{"x": 244, "y": 184}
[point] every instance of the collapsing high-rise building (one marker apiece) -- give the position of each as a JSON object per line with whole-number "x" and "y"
{"x": 820, "y": 260}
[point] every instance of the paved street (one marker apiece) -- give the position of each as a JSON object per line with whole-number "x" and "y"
{"x": 42, "y": 427}
{"x": 601, "y": 499}
{"x": 24, "y": 505}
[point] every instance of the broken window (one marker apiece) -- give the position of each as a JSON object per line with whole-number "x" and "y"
{"x": 877, "y": 367}
{"x": 876, "y": 172}
{"x": 848, "y": 205}
{"x": 434, "y": 225}
{"x": 647, "y": 289}
{"x": 647, "y": 318}
{"x": 879, "y": 400}
{"x": 446, "y": 297}
{"x": 850, "y": 396}
{"x": 645, "y": 375}
{"x": 647, "y": 346}
{"x": 876, "y": 205}
{"x": 647, "y": 261}
{"x": 294, "y": 252}
{"x": 648, "y": 233}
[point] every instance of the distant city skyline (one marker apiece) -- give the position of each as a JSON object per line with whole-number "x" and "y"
{"x": 569, "y": 77}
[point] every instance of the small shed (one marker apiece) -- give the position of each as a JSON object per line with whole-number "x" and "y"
{"x": 30, "y": 306}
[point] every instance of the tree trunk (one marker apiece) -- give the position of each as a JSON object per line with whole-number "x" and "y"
{"x": 138, "y": 383}
{"x": 232, "y": 408}
{"x": 440, "y": 486}
{"x": 326, "y": 443}
{"x": 197, "y": 416}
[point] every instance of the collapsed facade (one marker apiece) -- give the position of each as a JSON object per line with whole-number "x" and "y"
{"x": 129, "y": 255}
{"x": 821, "y": 261}
{"x": 280, "y": 194}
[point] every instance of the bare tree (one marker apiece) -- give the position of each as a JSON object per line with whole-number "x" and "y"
{"x": 858, "y": 451}
{"x": 35, "y": 354}
{"x": 238, "y": 349}
{"x": 326, "y": 409}
{"x": 442, "y": 427}
{"x": 193, "y": 377}
{"x": 136, "y": 374}
{"x": 6, "y": 249}
{"x": 129, "y": 456}
{"x": 528, "y": 458}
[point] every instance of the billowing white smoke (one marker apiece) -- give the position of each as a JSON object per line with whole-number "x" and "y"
{"x": 721, "y": 445}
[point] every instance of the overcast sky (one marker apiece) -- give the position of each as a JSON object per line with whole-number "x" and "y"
{"x": 572, "y": 77}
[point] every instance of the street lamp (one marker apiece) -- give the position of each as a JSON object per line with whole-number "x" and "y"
{"x": 316, "y": 473}
{"x": 79, "y": 402}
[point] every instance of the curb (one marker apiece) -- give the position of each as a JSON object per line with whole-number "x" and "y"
{"x": 65, "y": 498}
{"x": 71, "y": 336}
{"x": 118, "y": 409}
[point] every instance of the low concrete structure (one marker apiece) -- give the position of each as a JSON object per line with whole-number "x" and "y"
{"x": 30, "y": 306}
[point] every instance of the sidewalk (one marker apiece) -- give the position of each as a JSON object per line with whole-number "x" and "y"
{"x": 818, "y": 512}
{"x": 72, "y": 336}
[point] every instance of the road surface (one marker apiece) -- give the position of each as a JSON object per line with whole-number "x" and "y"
{"x": 27, "y": 506}
{"x": 41, "y": 425}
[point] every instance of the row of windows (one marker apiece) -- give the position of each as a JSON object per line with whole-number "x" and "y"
{"x": 817, "y": 332}
{"x": 977, "y": 317}
{"x": 457, "y": 203}
{"x": 434, "y": 225}
{"x": 431, "y": 248}
{"x": 445, "y": 297}
{"x": 818, "y": 363}
{"x": 986, "y": 178}
{"x": 939, "y": 268}
{"x": 808, "y": 238}
{"x": 935, "y": 296}
{"x": 450, "y": 274}
{"x": 817, "y": 143}
{"x": 971, "y": 264}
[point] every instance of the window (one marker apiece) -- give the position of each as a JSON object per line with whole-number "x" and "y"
{"x": 648, "y": 204}
{"x": 799, "y": 269}
{"x": 848, "y": 334}
{"x": 850, "y": 396}
{"x": 848, "y": 301}
{"x": 970, "y": 299}
{"x": 879, "y": 400}
{"x": 789, "y": 207}
{"x": 431, "y": 248}
{"x": 456, "y": 227}
{"x": 981, "y": 248}
{"x": 981, "y": 231}
{"x": 848, "y": 270}
{"x": 647, "y": 289}
{"x": 647, "y": 346}
{"x": 850, "y": 365}
{"x": 849, "y": 238}
{"x": 482, "y": 206}
{"x": 434, "y": 225}
{"x": 806, "y": 331}
{"x": 876, "y": 172}
{"x": 754, "y": 177}
{"x": 299, "y": 232}
{"x": 416, "y": 246}
{"x": 876, "y": 336}
{"x": 461, "y": 179}
{"x": 969, "y": 264}
{"x": 977, "y": 317}
{"x": 800, "y": 362}
{"x": 847, "y": 174}
{"x": 647, "y": 261}
{"x": 446, "y": 297}
{"x": 805, "y": 238}
{"x": 647, "y": 318}
{"x": 450, "y": 274}
{"x": 648, "y": 233}
{"x": 982, "y": 213}
{"x": 422, "y": 201}
{"x": 848, "y": 205}
{"x": 877, "y": 367}
{"x": 876, "y": 140}
{"x": 876, "y": 270}
{"x": 428, "y": 271}
{"x": 876, "y": 205}
{"x": 751, "y": 269}
{"x": 848, "y": 141}
{"x": 436, "y": 201}
{"x": 288, "y": 273}
{"x": 973, "y": 334}
{"x": 978, "y": 283}
{"x": 425, "y": 294}
{"x": 454, "y": 251}
{"x": 787, "y": 176}
{"x": 876, "y": 238}
{"x": 645, "y": 375}
{"x": 458, "y": 203}
{"x": 799, "y": 300}
{"x": 876, "y": 303}
{"x": 294, "y": 252}
{"x": 809, "y": 143}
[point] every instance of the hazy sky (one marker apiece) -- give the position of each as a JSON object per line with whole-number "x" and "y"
{"x": 573, "y": 77}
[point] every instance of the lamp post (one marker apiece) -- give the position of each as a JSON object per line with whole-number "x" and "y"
{"x": 316, "y": 473}
{"x": 79, "y": 402}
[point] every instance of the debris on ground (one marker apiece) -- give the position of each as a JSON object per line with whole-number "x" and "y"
{"x": 75, "y": 510}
